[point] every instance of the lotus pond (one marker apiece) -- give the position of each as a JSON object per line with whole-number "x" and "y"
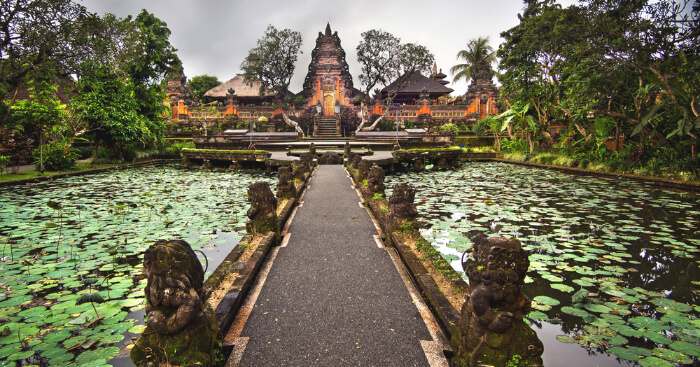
{"x": 74, "y": 240}
{"x": 614, "y": 264}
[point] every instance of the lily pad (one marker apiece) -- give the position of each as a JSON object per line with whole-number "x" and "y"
{"x": 566, "y": 339}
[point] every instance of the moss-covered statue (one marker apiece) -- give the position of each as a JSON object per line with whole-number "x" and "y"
{"x": 491, "y": 330}
{"x": 263, "y": 209}
{"x": 181, "y": 329}
{"x": 285, "y": 184}
{"x": 402, "y": 210}
{"x": 363, "y": 169}
{"x": 375, "y": 181}
{"x": 356, "y": 159}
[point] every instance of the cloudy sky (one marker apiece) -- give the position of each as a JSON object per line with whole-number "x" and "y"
{"x": 214, "y": 36}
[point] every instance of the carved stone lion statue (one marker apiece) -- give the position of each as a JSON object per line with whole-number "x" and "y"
{"x": 356, "y": 161}
{"x": 180, "y": 327}
{"x": 491, "y": 329}
{"x": 401, "y": 206}
{"x": 285, "y": 184}
{"x": 263, "y": 209}
{"x": 363, "y": 170}
{"x": 375, "y": 181}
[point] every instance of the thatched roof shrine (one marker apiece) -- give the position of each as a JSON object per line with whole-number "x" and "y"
{"x": 241, "y": 90}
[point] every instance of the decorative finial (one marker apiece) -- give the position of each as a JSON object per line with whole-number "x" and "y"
{"x": 435, "y": 68}
{"x": 328, "y": 29}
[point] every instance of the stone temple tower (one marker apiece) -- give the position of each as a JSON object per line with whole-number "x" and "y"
{"x": 328, "y": 81}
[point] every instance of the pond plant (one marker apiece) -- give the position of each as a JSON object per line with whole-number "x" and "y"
{"x": 53, "y": 309}
{"x": 613, "y": 263}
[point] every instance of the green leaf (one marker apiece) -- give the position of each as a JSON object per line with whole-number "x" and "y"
{"x": 565, "y": 339}
{"x": 686, "y": 348}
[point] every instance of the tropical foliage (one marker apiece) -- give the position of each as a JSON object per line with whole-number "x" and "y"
{"x": 118, "y": 63}
{"x": 631, "y": 65}
{"x": 478, "y": 51}
{"x": 272, "y": 61}
{"x": 384, "y": 58}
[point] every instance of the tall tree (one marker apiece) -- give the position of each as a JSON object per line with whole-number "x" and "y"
{"x": 33, "y": 33}
{"x": 272, "y": 61}
{"x": 107, "y": 107}
{"x": 379, "y": 52}
{"x": 200, "y": 84}
{"x": 478, "y": 51}
{"x": 43, "y": 111}
{"x": 384, "y": 58}
{"x": 416, "y": 58}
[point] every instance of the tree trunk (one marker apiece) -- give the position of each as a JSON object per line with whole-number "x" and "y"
{"x": 511, "y": 134}
{"x": 530, "y": 142}
{"x": 97, "y": 148}
{"x": 41, "y": 151}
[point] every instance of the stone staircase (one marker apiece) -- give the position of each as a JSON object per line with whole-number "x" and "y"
{"x": 327, "y": 128}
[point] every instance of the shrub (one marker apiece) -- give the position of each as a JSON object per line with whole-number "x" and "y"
{"x": 449, "y": 129}
{"x": 130, "y": 153}
{"x": 56, "y": 156}
{"x": 176, "y": 148}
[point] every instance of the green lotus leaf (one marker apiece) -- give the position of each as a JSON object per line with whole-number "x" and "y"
{"x": 685, "y": 348}
{"x": 597, "y": 308}
{"x": 111, "y": 339}
{"x": 600, "y": 323}
{"x": 583, "y": 283}
{"x": 616, "y": 340}
{"x": 649, "y": 323}
{"x": 666, "y": 304}
{"x": 655, "y": 362}
{"x": 53, "y": 351}
{"x": 671, "y": 355}
{"x": 624, "y": 353}
{"x": 579, "y": 296}
{"x": 34, "y": 311}
{"x": 565, "y": 339}
{"x": 656, "y": 337}
{"x": 626, "y": 330}
{"x": 546, "y": 300}
{"x": 562, "y": 287}
{"x": 574, "y": 311}
{"x": 20, "y": 355}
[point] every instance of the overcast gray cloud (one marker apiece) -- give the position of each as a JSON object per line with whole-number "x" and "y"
{"x": 214, "y": 36}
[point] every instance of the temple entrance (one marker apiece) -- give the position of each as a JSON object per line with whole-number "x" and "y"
{"x": 328, "y": 103}
{"x": 483, "y": 109}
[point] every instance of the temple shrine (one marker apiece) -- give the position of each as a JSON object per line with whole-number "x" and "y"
{"x": 328, "y": 81}
{"x": 328, "y": 100}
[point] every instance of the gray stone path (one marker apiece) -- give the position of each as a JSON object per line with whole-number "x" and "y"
{"x": 333, "y": 296}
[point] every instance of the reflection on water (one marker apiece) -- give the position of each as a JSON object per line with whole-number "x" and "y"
{"x": 632, "y": 248}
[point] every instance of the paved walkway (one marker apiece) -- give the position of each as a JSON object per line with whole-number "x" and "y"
{"x": 332, "y": 295}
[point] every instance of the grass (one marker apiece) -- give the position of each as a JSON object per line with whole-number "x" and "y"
{"x": 34, "y": 173}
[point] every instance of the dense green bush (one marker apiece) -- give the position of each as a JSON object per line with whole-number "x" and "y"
{"x": 449, "y": 129}
{"x": 175, "y": 148}
{"x": 56, "y": 156}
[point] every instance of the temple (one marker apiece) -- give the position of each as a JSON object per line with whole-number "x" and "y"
{"x": 328, "y": 100}
{"x": 328, "y": 81}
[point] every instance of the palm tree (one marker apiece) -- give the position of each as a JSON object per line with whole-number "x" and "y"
{"x": 478, "y": 50}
